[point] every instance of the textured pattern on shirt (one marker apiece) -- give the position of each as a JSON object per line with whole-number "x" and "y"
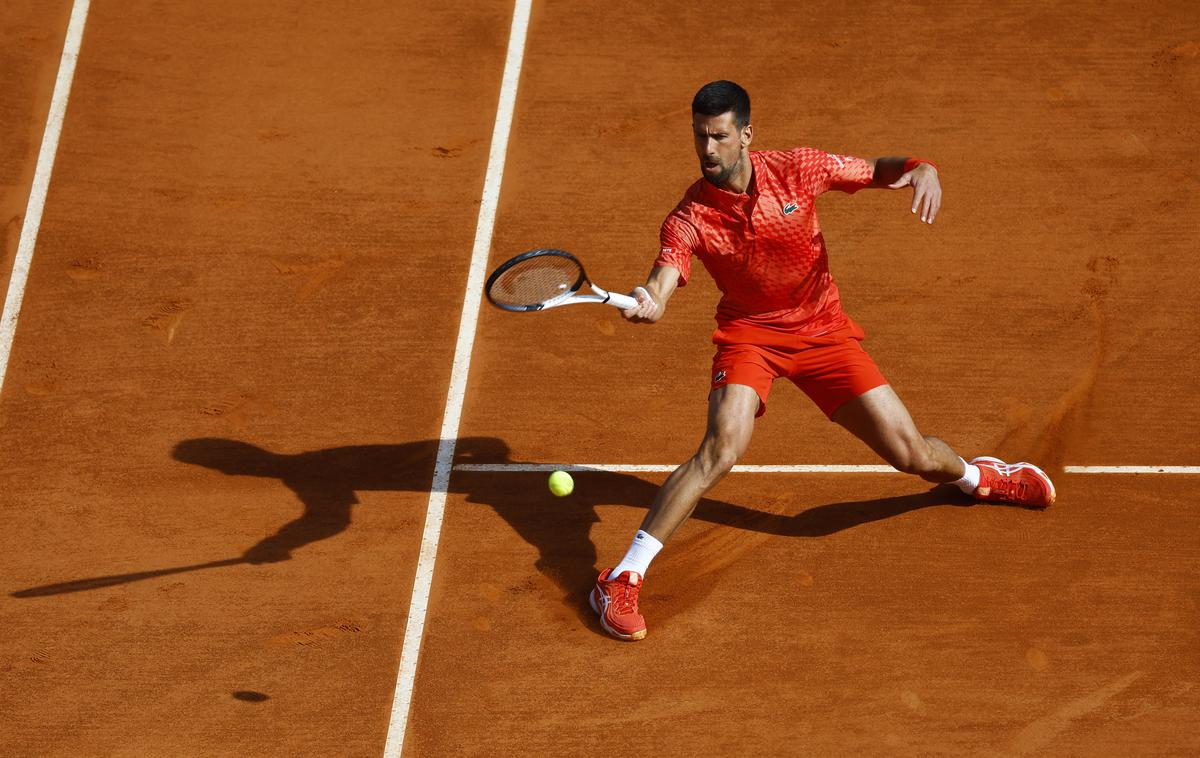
{"x": 764, "y": 248}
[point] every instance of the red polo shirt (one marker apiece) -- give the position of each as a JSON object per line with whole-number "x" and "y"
{"x": 764, "y": 247}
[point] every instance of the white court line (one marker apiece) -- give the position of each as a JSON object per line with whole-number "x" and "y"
{"x": 415, "y": 628}
{"x": 655, "y": 468}
{"x": 784, "y": 469}
{"x": 41, "y": 183}
{"x": 1132, "y": 469}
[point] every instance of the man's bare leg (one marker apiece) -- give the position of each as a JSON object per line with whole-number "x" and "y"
{"x": 879, "y": 418}
{"x": 731, "y": 411}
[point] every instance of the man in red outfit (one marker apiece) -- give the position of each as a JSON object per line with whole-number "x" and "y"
{"x": 751, "y": 221}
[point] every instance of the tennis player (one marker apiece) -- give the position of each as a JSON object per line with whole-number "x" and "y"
{"x": 751, "y": 221}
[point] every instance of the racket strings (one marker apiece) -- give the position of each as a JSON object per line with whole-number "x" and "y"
{"x": 536, "y": 280}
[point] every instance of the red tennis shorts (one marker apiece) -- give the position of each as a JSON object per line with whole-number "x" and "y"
{"x": 830, "y": 369}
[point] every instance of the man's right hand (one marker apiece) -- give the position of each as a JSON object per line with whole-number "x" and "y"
{"x": 652, "y": 298}
{"x": 645, "y": 312}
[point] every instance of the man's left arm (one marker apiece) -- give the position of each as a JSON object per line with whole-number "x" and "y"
{"x": 921, "y": 175}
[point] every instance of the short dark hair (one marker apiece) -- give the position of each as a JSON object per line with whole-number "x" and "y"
{"x": 723, "y": 96}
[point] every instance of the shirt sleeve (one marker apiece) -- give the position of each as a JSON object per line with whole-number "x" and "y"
{"x": 678, "y": 242}
{"x": 823, "y": 171}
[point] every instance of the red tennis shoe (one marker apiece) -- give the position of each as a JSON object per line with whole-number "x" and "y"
{"x": 1020, "y": 483}
{"x": 616, "y": 601}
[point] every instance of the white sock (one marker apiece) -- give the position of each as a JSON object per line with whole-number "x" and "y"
{"x": 970, "y": 478}
{"x": 641, "y": 551}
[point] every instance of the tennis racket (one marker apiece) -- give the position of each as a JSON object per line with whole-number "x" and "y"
{"x": 546, "y": 278}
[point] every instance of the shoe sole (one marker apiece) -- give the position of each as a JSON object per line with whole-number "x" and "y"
{"x": 989, "y": 459}
{"x": 595, "y": 607}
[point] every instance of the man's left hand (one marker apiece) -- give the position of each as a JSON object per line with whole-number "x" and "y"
{"x": 927, "y": 190}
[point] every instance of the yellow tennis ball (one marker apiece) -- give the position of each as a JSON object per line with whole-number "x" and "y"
{"x": 561, "y": 483}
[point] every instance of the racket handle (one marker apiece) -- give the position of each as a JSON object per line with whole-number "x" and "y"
{"x": 624, "y": 302}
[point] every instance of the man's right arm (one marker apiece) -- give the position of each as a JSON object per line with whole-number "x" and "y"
{"x": 652, "y": 297}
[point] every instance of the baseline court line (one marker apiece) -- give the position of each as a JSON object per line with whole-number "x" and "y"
{"x": 1132, "y": 469}
{"x": 41, "y": 183}
{"x": 415, "y": 628}
{"x": 634, "y": 468}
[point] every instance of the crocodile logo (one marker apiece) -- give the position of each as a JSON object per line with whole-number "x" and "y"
{"x": 790, "y": 208}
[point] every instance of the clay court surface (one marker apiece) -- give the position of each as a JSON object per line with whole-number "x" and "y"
{"x": 223, "y": 404}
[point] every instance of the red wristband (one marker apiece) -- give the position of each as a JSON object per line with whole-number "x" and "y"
{"x": 912, "y": 163}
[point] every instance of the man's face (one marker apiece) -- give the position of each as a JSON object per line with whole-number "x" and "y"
{"x": 720, "y": 145}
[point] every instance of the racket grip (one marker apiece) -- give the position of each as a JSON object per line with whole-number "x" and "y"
{"x": 624, "y": 302}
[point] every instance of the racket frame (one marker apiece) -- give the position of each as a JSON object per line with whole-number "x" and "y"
{"x": 569, "y": 297}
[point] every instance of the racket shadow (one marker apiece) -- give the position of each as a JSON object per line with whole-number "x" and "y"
{"x": 324, "y": 481}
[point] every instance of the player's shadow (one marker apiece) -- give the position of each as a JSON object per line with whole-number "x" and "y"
{"x": 326, "y": 482}
{"x": 560, "y": 527}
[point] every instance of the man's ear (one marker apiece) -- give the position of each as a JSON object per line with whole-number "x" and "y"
{"x": 747, "y": 135}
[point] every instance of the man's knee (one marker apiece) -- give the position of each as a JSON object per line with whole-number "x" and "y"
{"x": 717, "y": 456}
{"x": 913, "y": 456}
